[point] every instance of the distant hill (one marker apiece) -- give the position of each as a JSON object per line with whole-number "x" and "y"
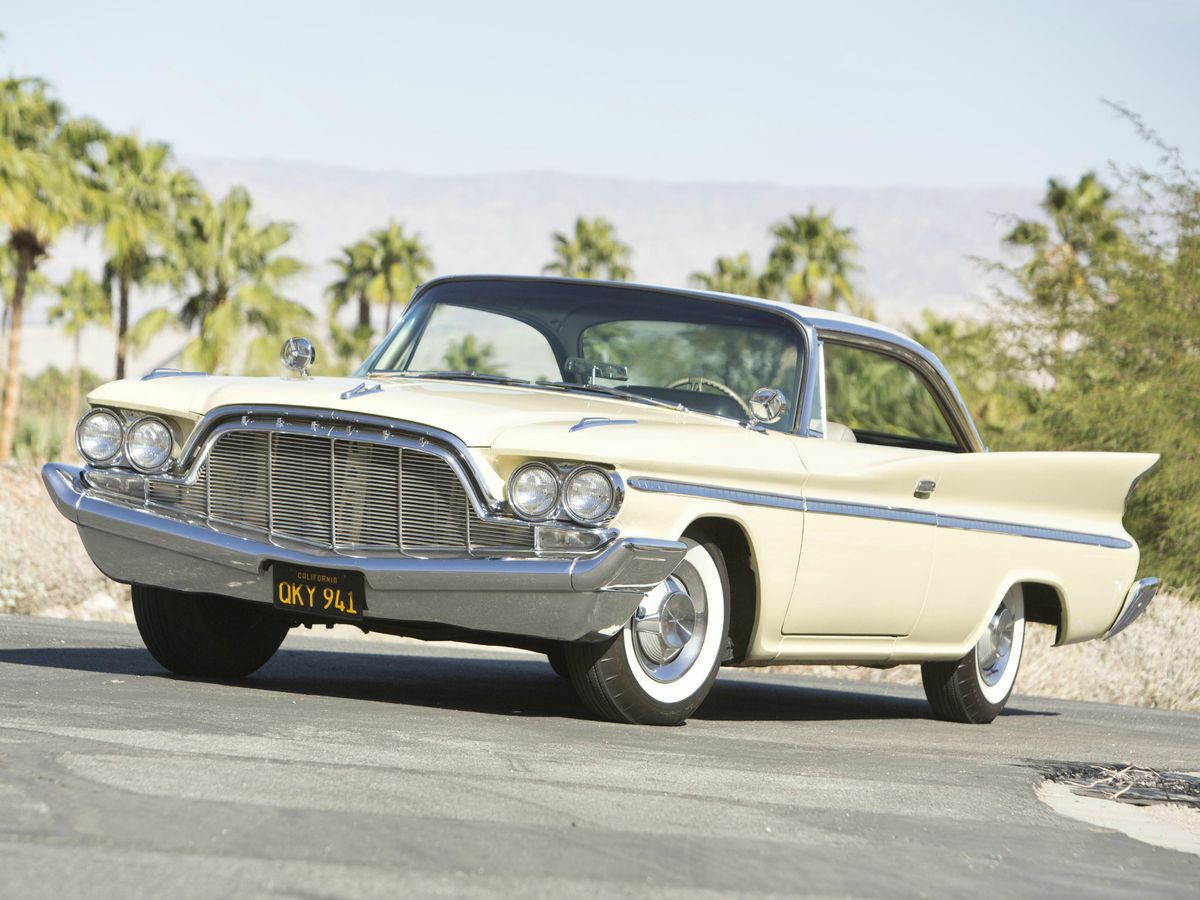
{"x": 917, "y": 242}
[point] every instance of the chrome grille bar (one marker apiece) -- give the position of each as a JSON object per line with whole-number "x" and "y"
{"x": 340, "y": 493}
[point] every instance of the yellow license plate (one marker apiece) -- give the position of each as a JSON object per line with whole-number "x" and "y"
{"x": 327, "y": 593}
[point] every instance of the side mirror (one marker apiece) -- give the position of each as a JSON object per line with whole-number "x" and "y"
{"x": 767, "y": 406}
{"x": 297, "y": 355}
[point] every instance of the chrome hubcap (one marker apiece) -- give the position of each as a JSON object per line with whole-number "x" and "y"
{"x": 995, "y": 647}
{"x": 669, "y": 629}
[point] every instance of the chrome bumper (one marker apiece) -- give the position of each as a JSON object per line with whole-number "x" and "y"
{"x": 557, "y": 598}
{"x": 1136, "y": 601}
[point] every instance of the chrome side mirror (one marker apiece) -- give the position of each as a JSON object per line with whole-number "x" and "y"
{"x": 767, "y": 406}
{"x": 297, "y": 355}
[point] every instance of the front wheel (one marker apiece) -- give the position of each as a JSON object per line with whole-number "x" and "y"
{"x": 975, "y": 689}
{"x": 204, "y": 635}
{"x": 661, "y": 666}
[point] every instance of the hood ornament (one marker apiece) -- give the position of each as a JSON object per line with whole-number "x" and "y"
{"x": 360, "y": 389}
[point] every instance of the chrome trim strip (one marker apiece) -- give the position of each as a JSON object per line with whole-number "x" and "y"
{"x": 1136, "y": 600}
{"x": 167, "y": 372}
{"x": 599, "y": 422}
{"x": 871, "y": 511}
{"x": 746, "y": 498}
{"x": 359, "y": 389}
{"x": 1033, "y": 531}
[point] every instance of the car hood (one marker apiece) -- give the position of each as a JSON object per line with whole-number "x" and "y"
{"x": 474, "y": 411}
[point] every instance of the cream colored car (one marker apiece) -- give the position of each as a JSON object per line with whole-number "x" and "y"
{"x": 644, "y": 484}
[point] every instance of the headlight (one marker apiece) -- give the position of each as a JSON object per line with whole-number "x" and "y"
{"x": 98, "y": 436}
{"x": 148, "y": 444}
{"x": 533, "y": 491}
{"x": 589, "y": 495}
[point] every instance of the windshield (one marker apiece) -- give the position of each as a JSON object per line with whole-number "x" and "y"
{"x": 706, "y": 355}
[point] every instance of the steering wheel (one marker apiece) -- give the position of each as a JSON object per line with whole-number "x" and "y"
{"x": 696, "y": 382}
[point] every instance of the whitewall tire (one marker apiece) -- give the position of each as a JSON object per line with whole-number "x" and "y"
{"x": 662, "y": 664}
{"x": 976, "y": 688}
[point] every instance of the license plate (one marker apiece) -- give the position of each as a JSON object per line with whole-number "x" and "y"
{"x": 328, "y": 593}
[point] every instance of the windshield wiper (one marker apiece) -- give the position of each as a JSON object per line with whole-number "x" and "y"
{"x": 610, "y": 392}
{"x": 456, "y": 374}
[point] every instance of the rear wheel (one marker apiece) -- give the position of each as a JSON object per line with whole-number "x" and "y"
{"x": 661, "y": 666}
{"x": 206, "y": 635}
{"x": 975, "y": 688}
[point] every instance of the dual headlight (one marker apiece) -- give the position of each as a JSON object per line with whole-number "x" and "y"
{"x": 102, "y": 437}
{"x": 587, "y": 494}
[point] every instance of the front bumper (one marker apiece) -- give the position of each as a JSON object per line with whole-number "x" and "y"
{"x": 557, "y": 598}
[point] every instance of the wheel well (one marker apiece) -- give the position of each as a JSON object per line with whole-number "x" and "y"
{"x": 743, "y": 585}
{"x": 1043, "y": 603}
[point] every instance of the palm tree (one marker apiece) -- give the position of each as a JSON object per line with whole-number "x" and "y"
{"x": 35, "y": 286}
{"x": 354, "y": 279}
{"x": 730, "y": 275}
{"x": 398, "y": 263}
{"x": 44, "y": 189}
{"x": 1061, "y": 276}
{"x": 352, "y": 285}
{"x": 81, "y": 302}
{"x": 811, "y": 261}
{"x": 591, "y": 250}
{"x": 234, "y": 271}
{"x": 142, "y": 192}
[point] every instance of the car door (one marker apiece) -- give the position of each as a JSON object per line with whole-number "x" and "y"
{"x": 869, "y": 530}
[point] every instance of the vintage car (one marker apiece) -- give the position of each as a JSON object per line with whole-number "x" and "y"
{"x": 644, "y": 484}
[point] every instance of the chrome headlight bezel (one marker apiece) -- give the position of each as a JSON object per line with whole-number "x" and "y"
{"x": 93, "y": 413}
{"x": 512, "y": 480}
{"x": 131, "y": 430}
{"x": 614, "y": 486}
{"x": 560, "y": 511}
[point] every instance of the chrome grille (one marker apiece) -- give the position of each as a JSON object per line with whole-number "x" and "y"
{"x": 339, "y": 493}
{"x": 301, "y": 488}
{"x": 366, "y": 485}
{"x": 237, "y": 481}
{"x": 434, "y": 503}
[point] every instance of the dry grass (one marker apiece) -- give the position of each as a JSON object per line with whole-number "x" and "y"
{"x": 45, "y": 571}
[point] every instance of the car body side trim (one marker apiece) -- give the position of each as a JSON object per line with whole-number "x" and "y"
{"x": 871, "y": 511}
{"x": 746, "y": 498}
{"x": 1033, "y": 531}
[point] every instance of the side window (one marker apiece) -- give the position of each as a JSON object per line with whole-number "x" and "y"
{"x": 474, "y": 340}
{"x": 882, "y": 400}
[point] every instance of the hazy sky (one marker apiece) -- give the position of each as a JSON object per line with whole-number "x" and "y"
{"x": 846, "y": 94}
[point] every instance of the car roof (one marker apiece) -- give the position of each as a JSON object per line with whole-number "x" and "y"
{"x": 821, "y": 319}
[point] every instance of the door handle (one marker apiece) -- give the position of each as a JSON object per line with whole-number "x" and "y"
{"x": 925, "y": 489}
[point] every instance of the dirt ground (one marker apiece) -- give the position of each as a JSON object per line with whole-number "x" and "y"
{"x": 44, "y": 571}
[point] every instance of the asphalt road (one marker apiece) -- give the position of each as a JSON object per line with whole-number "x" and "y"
{"x": 404, "y": 770}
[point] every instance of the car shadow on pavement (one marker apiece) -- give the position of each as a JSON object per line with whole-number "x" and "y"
{"x": 750, "y": 700}
{"x": 497, "y": 686}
